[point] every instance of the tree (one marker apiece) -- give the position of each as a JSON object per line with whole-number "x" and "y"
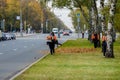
{"x": 110, "y": 52}
{"x": 11, "y": 11}
{"x": 93, "y": 19}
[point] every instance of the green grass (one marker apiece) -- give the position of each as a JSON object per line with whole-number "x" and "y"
{"x": 78, "y": 66}
{"x": 78, "y": 43}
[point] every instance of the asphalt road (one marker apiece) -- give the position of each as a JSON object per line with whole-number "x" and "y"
{"x": 15, "y": 55}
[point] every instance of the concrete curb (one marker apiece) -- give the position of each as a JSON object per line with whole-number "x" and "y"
{"x": 12, "y": 78}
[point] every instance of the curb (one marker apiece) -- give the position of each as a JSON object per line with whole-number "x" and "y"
{"x": 12, "y": 78}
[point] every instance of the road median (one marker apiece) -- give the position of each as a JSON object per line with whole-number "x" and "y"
{"x": 66, "y": 64}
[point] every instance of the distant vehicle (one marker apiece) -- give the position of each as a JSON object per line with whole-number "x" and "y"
{"x": 13, "y": 36}
{"x": 8, "y": 36}
{"x": 61, "y": 31}
{"x": 55, "y": 30}
{"x": 0, "y": 35}
{"x": 70, "y": 31}
{"x": 66, "y": 33}
{"x": 3, "y": 38}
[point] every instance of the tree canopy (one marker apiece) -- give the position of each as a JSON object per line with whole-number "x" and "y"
{"x": 34, "y": 13}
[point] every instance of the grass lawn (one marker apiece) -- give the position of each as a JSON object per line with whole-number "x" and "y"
{"x": 76, "y": 60}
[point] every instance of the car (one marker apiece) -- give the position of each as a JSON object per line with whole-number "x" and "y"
{"x": 13, "y": 36}
{"x": 3, "y": 38}
{"x": 55, "y": 30}
{"x": 66, "y": 33}
{"x": 0, "y": 35}
{"x": 8, "y": 36}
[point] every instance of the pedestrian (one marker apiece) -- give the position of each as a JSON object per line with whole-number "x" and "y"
{"x": 51, "y": 42}
{"x": 95, "y": 39}
{"x": 104, "y": 44}
{"x": 82, "y": 34}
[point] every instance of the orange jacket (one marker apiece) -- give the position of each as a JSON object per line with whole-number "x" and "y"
{"x": 93, "y": 37}
{"x": 104, "y": 38}
{"x": 55, "y": 38}
{"x": 51, "y": 37}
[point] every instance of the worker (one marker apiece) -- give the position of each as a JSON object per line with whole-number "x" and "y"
{"x": 51, "y": 42}
{"x": 95, "y": 39}
{"x": 104, "y": 44}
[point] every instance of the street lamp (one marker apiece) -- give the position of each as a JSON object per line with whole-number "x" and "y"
{"x": 21, "y": 25}
{"x": 78, "y": 24}
{"x": 3, "y": 24}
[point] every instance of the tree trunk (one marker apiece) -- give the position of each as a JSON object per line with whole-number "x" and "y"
{"x": 102, "y": 17}
{"x": 90, "y": 25}
{"x": 110, "y": 52}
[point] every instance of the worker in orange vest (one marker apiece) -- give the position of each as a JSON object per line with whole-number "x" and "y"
{"x": 104, "y": 44}
{"x": 51, "y": 39}
{"x": 95, "y": 39}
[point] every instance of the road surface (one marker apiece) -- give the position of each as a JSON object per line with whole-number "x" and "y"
{"x": 15, "y": 55}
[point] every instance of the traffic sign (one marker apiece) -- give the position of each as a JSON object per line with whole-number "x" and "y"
{"x": 78, "y": 14}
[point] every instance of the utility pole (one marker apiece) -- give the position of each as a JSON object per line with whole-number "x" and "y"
{"x": 78, "y": 26}
{"x": 21, "y": 25}
{"x": 46, "y": 25}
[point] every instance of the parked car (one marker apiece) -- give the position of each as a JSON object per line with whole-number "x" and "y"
{"x": 8, "y": 36}
{"x": 13, "y": 36}
{"x": 0, "y": 35}
{"x": 66, "y": 32}
{"x": 3, "y": 38}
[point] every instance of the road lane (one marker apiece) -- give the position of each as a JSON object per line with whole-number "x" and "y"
{"x": 15, "y": 55}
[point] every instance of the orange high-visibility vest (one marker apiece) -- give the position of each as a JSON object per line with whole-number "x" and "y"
{"x": 55, "y": 38}
{"x": 51, "y": 37}
{"x": 104, "y": 38}
{"x": 92, "y": 37}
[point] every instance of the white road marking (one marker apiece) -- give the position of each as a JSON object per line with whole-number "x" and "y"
{"x": 1, "y": 53}
{"x": 25, "y": 46}
{"x": 14, "y": 49}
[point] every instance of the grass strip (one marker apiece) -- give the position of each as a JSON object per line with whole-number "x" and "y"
{"x": 83, "y": 65}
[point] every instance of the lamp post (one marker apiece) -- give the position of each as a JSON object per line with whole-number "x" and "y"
{"x": 21, "y": 25}
{"x": 3, "y": 24}
{"x": 47, "y": 25}
{"x": 78, "y": 24}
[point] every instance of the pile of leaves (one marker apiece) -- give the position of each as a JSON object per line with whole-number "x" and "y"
{"x": 75, "y": 50}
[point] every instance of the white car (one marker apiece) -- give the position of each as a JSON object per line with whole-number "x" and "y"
{"x": 8, "y": 36}
{"x": 55, "y": 30}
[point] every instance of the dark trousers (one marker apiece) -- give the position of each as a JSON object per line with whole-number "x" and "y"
{"x": 104, "y": 46}
{"x": 95, "y": 43}
{"x": 52, "y": 47}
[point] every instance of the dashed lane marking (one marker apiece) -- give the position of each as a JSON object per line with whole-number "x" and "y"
{"x": 1, "y": 53}
{"x": 14, "y": 49}
{"x": 25, "y": 46}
